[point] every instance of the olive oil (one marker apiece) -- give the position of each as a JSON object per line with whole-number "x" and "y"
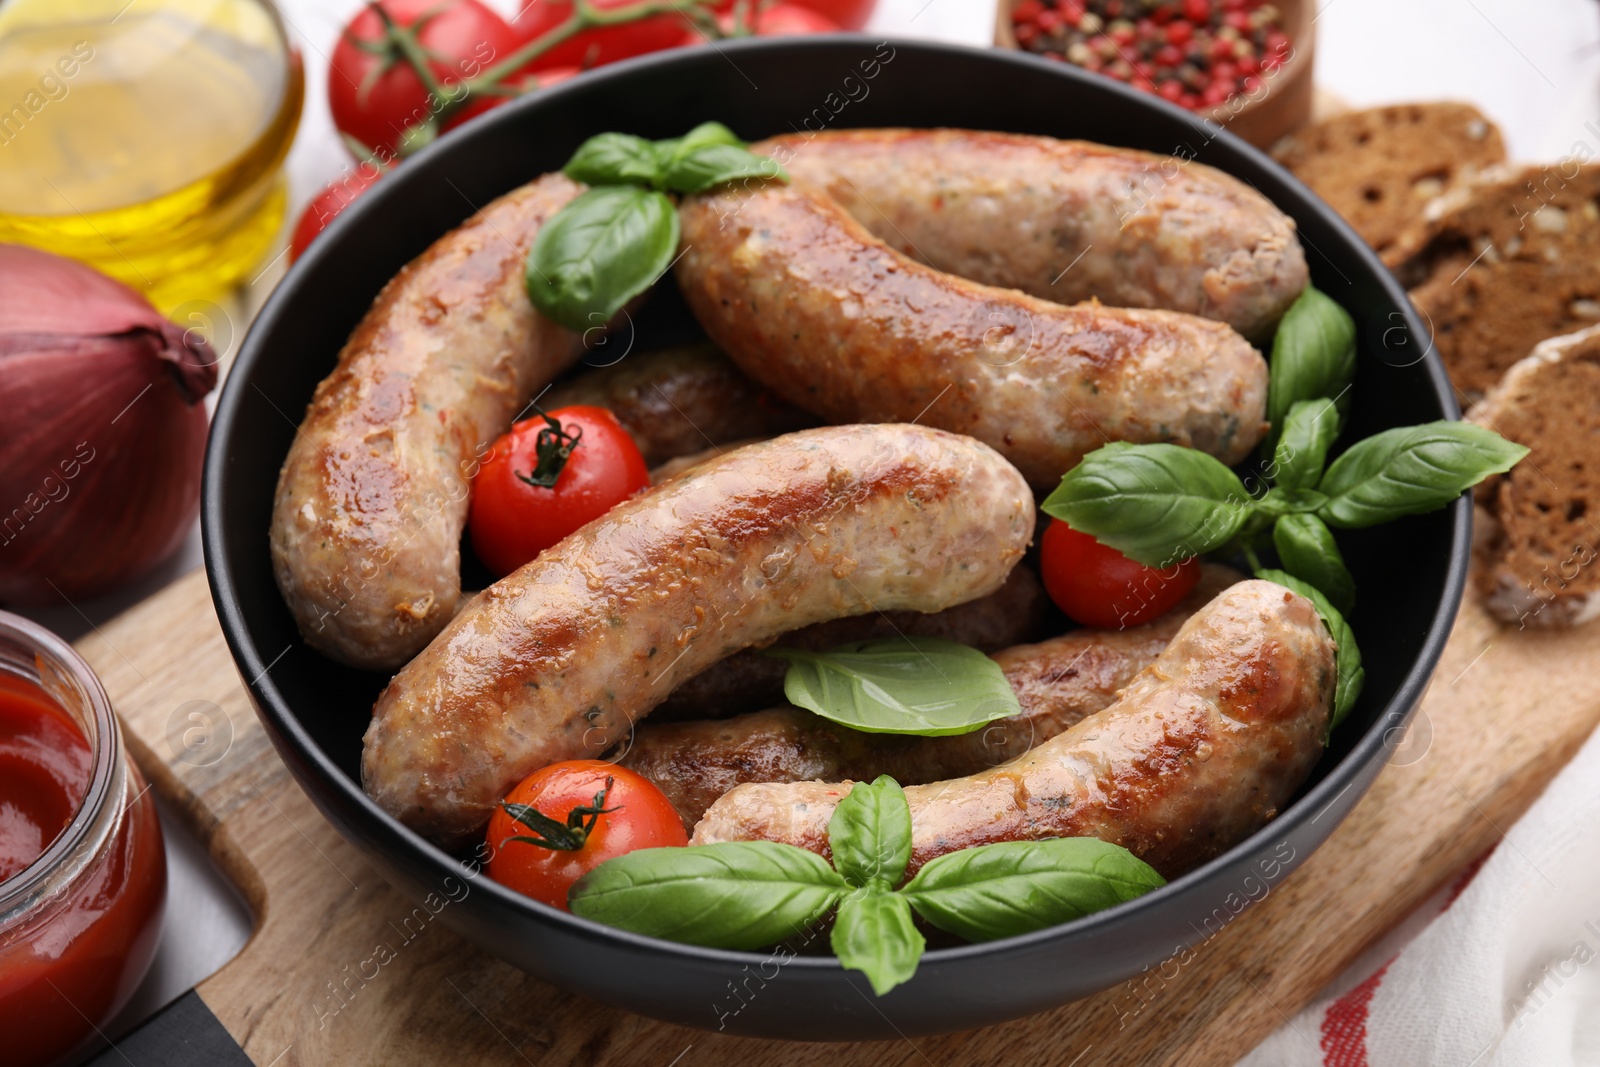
{"x": 147, "y": 138}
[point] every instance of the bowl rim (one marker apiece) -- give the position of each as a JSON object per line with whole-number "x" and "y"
{"x": 384, "y": 833}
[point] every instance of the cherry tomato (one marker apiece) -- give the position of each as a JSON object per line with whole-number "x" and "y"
{"x": 1099, "y": 586}
{"x": 372, "y": 89}
{"x": 591, "y": 811}
{"x": 601, "y": 45}
{"x": 850, "y": 14}
{"x": 774, "y": 20}
{"x": 326, "y": 205}
{"x": 511, "y": 519}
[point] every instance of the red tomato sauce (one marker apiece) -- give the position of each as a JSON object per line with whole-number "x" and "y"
{"x": 45, "y": 764}
{"x": 71, "y": 966}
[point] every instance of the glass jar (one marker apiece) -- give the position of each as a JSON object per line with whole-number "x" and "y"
{"x": 147, "y": 139}
{"x": 79, "y": 925}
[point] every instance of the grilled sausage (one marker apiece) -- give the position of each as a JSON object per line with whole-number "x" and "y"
{"x": 680, "y": 400}
{"x": 371, "y": 501}
{"x": 1206, "y": 745}
{"x": 1058, "y": 683}
{"x": 1063, "y": 220}
{"x": 748, "y": 681}
{"x": 560, "y": 657}
{"x": 678, "y": 464}
{"x": 808, "y": 303}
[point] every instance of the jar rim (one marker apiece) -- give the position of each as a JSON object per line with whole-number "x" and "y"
{"x": 96, "y": 819}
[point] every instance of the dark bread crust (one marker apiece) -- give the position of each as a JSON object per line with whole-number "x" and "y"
{"x": 1380, "y": 166}
{"x": 1502, "y": 265}
{"x": 1539, "y": 552}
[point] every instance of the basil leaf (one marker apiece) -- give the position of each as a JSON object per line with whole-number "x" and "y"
{"x": 706, "y": 134}
{"x": 1410, "y": 470}
{"x": 874, "y": 934}
{"x": 1014, "y": 887}
{"x": 1158, "y": 504}
{"x": 1290, "y": 502}
{"x": 1308, "y": 432}
{"x": 870, "y": 834}
{"x": 1313, "y": 355}
{"x": 903, "y": 685}
{"x": 716, "y": 164}
{"x": 599, "y": 252}
{"x": 614, "y": 159}
{"x": 1352, "y": 676}
{"x": 736, "y": 894}
{"x": 1308, "y": 551}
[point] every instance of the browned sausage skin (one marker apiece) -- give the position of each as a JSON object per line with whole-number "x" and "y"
{"x": 1058, "y": 682}
{"x": 812, "y": 306}
{"x": 1063, "y": 220}
{"x": 371, "y": 501}
{"x": 749, "y": 681}
{"x": 678, "y": 464}
{"x": 558, "y": 659}
{"x": 678, "y": 401}
{"x": 1206, "y": 745}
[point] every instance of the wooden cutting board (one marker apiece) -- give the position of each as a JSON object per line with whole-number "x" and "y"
{"x": 1506, "y": 710}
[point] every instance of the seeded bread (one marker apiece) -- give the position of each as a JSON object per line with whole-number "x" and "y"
{"x": 1538, "y": 550}
{"x": 1379, "y": 167}
{"x": 1505, "y": 263}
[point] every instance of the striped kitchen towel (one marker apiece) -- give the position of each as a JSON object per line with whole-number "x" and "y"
{"x": 1500, "y": 969}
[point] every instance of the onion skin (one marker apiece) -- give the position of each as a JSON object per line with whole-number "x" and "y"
{"x": 103, "y": 430}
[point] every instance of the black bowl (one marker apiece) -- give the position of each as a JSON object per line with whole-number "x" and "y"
{"x": 1411, "y": 573}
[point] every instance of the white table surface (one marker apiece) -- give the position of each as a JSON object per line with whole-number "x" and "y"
{"x": 1531, "y": 65}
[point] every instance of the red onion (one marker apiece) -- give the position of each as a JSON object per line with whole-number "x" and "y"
{"x": 102, "y": 429}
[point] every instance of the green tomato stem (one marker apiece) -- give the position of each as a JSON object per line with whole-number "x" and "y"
{"x": 550, "y": 833}
{"x": 553, "y": 446}
{"x": 584, "y": 16}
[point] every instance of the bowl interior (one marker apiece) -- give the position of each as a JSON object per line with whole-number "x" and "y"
{"x": 1410, "y": 573}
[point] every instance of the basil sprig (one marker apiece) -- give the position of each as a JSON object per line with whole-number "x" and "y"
{"x": 901, "y": 685}
{"x": 749, "y": 894}
{"x": 1313, "y": 356}
{"x": 1133, "y": 497}
{"x": 875, "y": 934}
{"x": 599, "y": 252}
{"x": 735, "y": 894}
{"x": 1435, "y": 462}
{"x": 614, "y": 241}
{"x": 1159, "y": 504}
{"x": 1309, "y": 431}
{"x": 1306, "y": 548}
{"x": 870, "y": 836}
{"x": 1001, "y": 890}
{"x": 1411, "y": 470}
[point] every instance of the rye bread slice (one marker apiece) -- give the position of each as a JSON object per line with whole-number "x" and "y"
{"x": 1379, "y": 167}
{"x": 1538, "y": 551}
{"x": 1500, "y": 265}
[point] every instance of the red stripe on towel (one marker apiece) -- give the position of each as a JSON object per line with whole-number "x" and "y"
{"x": 1344, "y": 1026}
